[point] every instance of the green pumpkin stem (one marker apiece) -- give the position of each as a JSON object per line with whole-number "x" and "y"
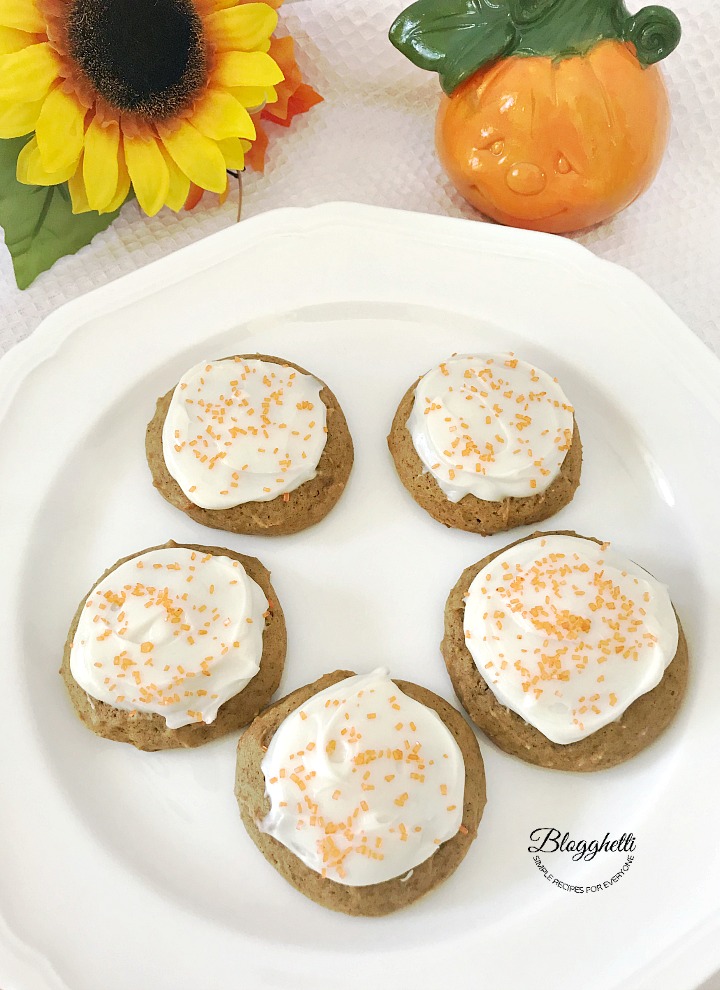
{"x": 455, "y": 38}
{"x": 654, "y": 31}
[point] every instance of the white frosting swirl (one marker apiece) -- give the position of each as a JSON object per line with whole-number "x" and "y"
{"x": 567, "y": 633}
{"x": 243, "y": 430}
{"x": 173, "y": 631}
{"x": 490, "y": 426}
{"x": 364, "y": 782}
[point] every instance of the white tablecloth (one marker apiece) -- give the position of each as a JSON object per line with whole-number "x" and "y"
{"x": 371, "y": 141}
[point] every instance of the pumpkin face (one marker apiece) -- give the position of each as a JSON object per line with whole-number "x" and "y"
{"x": 556, "y": 145}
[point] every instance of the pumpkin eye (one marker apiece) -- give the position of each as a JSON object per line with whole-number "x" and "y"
{"x": 497, "y": 147}
{"x": 563, "y": 165}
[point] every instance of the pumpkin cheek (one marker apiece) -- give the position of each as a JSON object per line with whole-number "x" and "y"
{"x": 520, "y": 182}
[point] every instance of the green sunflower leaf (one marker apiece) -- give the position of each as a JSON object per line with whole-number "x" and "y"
{"x": 38, "y": 221}
{"x": 454, "y": 38}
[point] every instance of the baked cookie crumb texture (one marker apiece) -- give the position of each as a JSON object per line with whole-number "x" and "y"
{"x": 251, "y": 444}
{"x": 487, "y": 443}
{"x": 362, "y": 792}
{"x": 174, "y": 646}
{"x": 564, "y": 653}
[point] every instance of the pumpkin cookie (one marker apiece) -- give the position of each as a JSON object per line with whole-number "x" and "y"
{"x": 564, "y": 653}
{"x": 250, "y": 444}
{"x": 486, "y": 444}
{"x": 175, "y": 646}
{"x": 364, "y": 793}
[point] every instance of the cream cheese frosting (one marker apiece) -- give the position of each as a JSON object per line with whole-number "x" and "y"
{"x": 173, "y": 631}
{"x": 364, "y": 782}
{"x": 490, "y": 426}
{"x": 243, "y": 430}
{"x": 567, "y": 633}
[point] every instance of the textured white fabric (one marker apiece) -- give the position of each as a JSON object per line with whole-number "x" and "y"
{"x": 372, "y": 142}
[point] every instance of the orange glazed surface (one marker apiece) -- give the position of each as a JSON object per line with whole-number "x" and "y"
{"x": 556, "y": 145}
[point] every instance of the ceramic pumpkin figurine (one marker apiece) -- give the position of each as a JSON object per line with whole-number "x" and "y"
{"x": 556, "y": 115}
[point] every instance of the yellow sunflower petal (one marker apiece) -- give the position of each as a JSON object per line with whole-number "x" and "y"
{"x": 243, "y": 27}
{"x": 17, "y": 119}
{"x": 179, "y": 184}
{"x": 60, "y": 130}
{"x": 197, "y": 156}
{"x": 220, "y": 115}
{"x": 246, "y": 69}
{"x": 253, "y": 96}
{"x": 12, "y": 40}
{"x": 100, "y": 163}
{"x": 148, "y": 172}
{"x": 78, "y": 192}
{"x": 233, "y": 151}
{"x": 23, "y": 15}
{"x": 27, "y": 75}
{"x": 123, "y": 186}
{"x": 31, "y": 171}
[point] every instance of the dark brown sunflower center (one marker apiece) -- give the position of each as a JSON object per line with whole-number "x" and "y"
{"x": 143, "y": 57}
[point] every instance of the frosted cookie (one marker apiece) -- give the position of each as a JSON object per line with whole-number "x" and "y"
{"x": 363, "y": 792}
{"x": 487, "y": 443}
{"x": 175, "y": 646}
{"x": 565, "y": 653}
{"x": 251, "y": 444}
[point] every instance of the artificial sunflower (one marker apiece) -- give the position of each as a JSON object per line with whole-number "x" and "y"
{"x": 294, "y": 97}
{"x": 123, "y": 93}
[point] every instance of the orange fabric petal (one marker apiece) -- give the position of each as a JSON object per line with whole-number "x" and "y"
{"x": 282, "y": 51}
{"x": 196, "y": 194}
{"x": 194, "y": 197}
{"x": 255, "y": 157}
{"x": 301, "y": 101}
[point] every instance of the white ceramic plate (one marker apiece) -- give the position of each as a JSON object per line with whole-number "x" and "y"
{"x": 122, "y": 868}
